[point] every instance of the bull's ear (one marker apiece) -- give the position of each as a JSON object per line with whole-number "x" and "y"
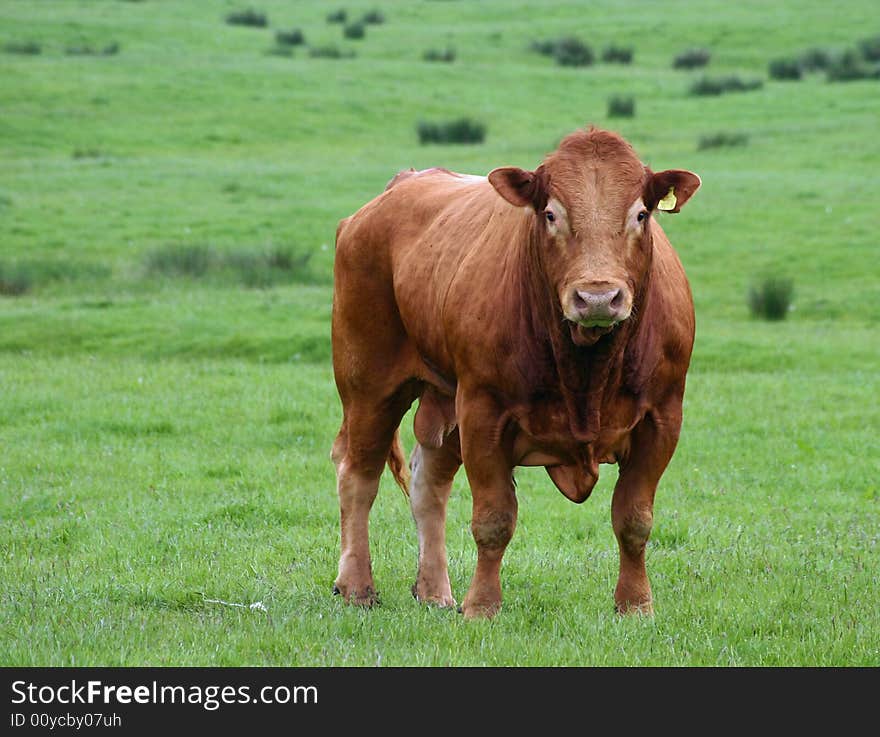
{"x": 669, "y": 190}
{"x": 519, "y": 187}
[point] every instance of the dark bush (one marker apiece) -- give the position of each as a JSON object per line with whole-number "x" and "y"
{"x": 294, "y": 37}
{"x": 785, "y": 69}
{"x": 720, "y": 85}
{"x": 770, "y": 299}
{"x": 263, "y": 268}
{"x": 337, "y": 16}
{"x": 354, "y": 30}
{"x": 691, "y": 59}
{"x": 109, "y": 50}
{"x": 252, "y": 267}
{"x": 330, "y": 52}
{"x": 621, "y": 107}
{"x": 617, "y": 54}
{"x": 572, "y": 52}
{"x": 14, "y": 281}
{"x": 815, "y": 59}
{"x": 24, "y": 276}
{"x": 447, "y": 55}
{"x": 86, "y": 153}
{"x": 373, "y": 18}
{"x": 870, "y": 48}
{"x": 249, "y": 17}
{"x": 849, "y": 67}
{"x": 462, "y": 130}
{"x": 28, "y": 48}
{"x": 722, "y": 140}
{"x": 192, "y": 261}
{"x": 545, "y": 48}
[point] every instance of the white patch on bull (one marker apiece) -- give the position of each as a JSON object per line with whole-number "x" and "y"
{"x": 556, "y": 218}
{"x": 632, "y": 216}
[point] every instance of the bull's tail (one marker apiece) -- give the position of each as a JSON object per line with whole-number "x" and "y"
{"x": 397, "y": 463}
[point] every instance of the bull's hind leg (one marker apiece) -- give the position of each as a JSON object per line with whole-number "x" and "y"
{"x": 360, "y": 452}
{"x": 433, "y": 470}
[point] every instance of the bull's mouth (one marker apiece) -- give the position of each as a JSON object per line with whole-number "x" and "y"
{"x": 586, "y": 335}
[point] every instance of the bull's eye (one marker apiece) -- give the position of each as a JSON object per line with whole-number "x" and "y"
{"x": 551, "y": 218}
{"x": 643, "y": 215}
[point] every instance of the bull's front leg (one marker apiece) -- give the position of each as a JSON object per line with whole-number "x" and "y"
{"x": 632, "y": 507}
{"x": 487, "y": 462}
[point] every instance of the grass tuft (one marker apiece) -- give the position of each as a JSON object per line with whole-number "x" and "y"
{"x": 446, "y": 55}
{"x": 621, "y": 107}
{"x": 617, "y": 54}
{"x": 461, "y": 130}
{"x": 770, "y": 298}
{"x": 337, "y": 16}
{"x": 248, "y": 17}
{"x": 355, "y": 31}
{"x": 785, "y": 69}
{"x": 692, "y": 59}
{"x": 293, "y": 37}
{"x": 722, "y": 140}
{"x": 25, "y": 48}
{"x": 711, "y": 86}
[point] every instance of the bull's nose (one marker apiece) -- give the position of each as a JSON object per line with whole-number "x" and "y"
{"x": 602, "y": 307}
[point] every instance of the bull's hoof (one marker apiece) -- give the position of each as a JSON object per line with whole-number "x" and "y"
{"x": 438, "y": 599}
{"x": 364, "y": 597}
{"x": 628, "y": 609}
{"x": 479, "y": 610}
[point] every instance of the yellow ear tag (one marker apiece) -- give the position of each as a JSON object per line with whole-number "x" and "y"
{"x": 668, "y": 202}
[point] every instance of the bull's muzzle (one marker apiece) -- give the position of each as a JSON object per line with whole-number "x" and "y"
{"x": 592, "y": 308}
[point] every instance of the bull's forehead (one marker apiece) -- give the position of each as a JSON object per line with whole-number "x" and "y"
{"x": 598, "y": 177}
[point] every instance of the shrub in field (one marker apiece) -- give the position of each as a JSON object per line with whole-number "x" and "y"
{"x": 252, "y": 267}
{"x": 572, "y": 52}
{"x": 176, "y": 260}
{"x": 249, "y": 17}
{"x": 14, "y": 281}
{"x": 770, "y": 299}
{"x": 815, "y": 59}
{"x": 263, "y": 268}
{"x": 446, "y": 55}
{"x": 86, "y": 153}
{"x": 720, "y": 85}
{"x": 355, "y": 31}
{"x": 373, "y": 18}
{"x": 462, "y": 130}
{"x": 691, "y": 59}
{"x": 330, "y": 52}
{"x": 27, "y": 48}
{"x": 337, "y": 16}
{"x": 293, "y": 37}
{"x": 621, "y": 107}
{"x": 870, "y": 48}
{"x": 110, "y": 49}
{"x": 850, "y": 66}
{"x": 545, "y": 48}
{"x": 722, "y": 140}
{"x": 617, "y": 54}
{"x": 785, "y": 69}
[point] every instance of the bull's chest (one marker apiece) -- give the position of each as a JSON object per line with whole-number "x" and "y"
{"x": 544, "y": 438}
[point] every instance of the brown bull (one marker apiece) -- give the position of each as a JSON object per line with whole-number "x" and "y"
{"x": 541, "y": 319}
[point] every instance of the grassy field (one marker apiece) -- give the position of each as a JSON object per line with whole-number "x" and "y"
{"x": 167, "y": 215}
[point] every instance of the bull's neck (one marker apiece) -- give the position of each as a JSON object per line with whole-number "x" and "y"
{"x": 551, "y": 364}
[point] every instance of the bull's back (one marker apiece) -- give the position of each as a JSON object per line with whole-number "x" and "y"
{"x": 399, "y": 253}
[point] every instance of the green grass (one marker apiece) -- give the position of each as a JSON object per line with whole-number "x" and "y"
{"x": 165, "y": 429}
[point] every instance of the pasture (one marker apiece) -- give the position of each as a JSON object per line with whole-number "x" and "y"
{"x": 167, "y": 405}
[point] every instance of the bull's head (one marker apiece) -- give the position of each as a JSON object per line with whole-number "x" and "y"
{"x": 594, "y": 200}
